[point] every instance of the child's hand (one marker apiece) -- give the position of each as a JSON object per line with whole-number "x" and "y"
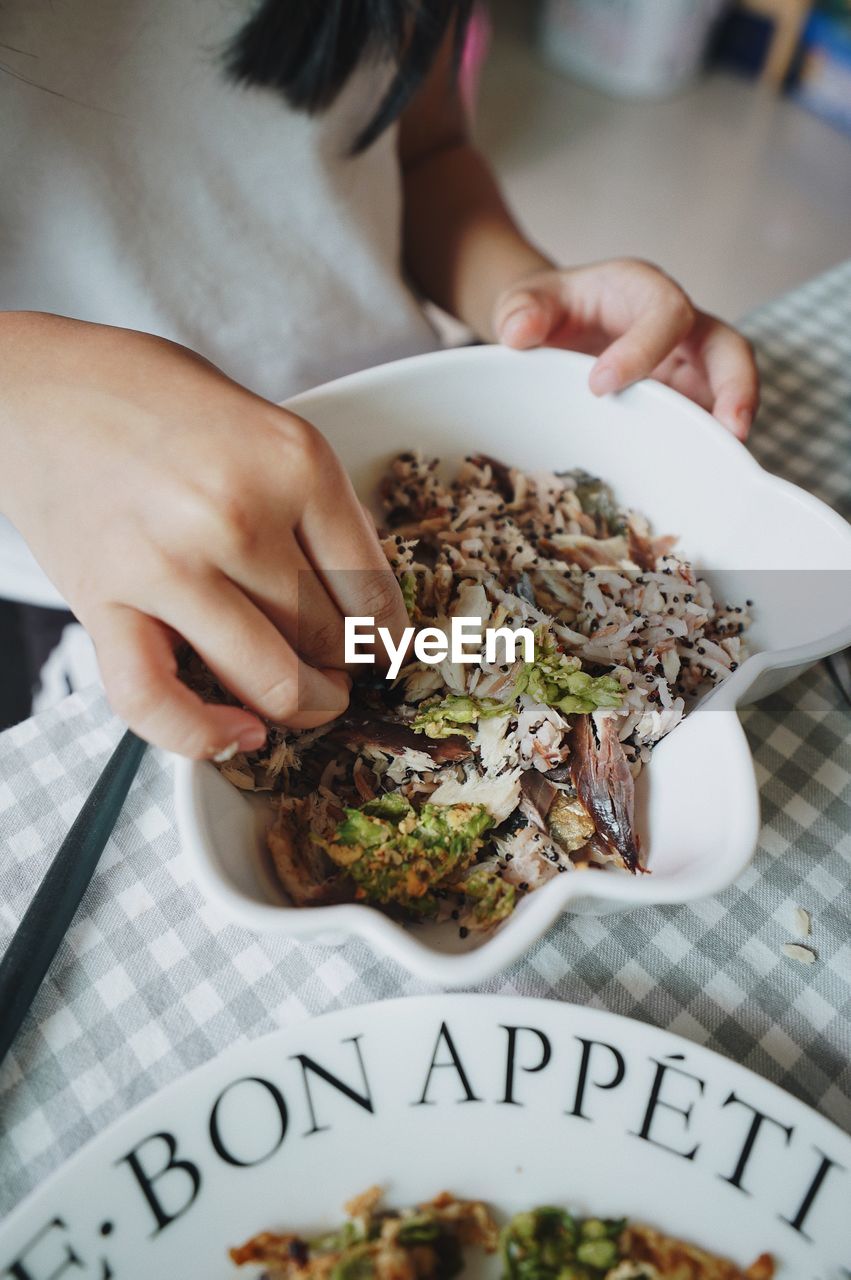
{"x": 641, "y": 324}
{"x": 167, "y": 502}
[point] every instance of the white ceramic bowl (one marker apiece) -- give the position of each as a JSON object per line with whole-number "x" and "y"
{"x": 756, "y": 536}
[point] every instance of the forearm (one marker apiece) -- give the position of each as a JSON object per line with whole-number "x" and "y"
{"x": 20, "y": 333}
{"x": 462, "y": 246}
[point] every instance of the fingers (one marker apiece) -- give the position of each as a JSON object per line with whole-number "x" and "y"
{"x": 649, "y": 328}
{"x": 652, "y": 335}
{"x": 339, "y": 539}
{"x": 686, "y": 375}
{"x": 284, "y": 585}
{"x": 247, "y": 653}
{"x": 732, "y": 374}
{"x": 139, "y": 669}
{"x": 304, "y": 550}
{"x": 526, "y": 317}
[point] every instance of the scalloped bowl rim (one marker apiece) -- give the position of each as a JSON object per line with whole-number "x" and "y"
{"x": 541, "y": 909}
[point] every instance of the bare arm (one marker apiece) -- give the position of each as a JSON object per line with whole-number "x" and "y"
{"x": 462, "y": 245}
{"x": 169, "y": 504}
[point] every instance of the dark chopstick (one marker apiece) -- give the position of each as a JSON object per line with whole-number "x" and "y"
{"x": 51, "y": 911}
{"x": 839, "y": 670}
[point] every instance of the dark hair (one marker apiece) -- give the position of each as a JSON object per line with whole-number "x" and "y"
{"x": 307, "y": 49}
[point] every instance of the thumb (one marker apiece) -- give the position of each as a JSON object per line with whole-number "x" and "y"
{"x": 526, "y": 317}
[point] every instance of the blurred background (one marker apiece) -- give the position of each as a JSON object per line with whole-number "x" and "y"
{"x": 712, "y": 138}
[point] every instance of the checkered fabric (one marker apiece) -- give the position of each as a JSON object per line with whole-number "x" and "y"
{"x": 151, "y": 982}
{"x": 803, "y": 342}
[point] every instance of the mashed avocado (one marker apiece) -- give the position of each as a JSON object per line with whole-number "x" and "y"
{"x": 553, "y": 679}
{"x": 408, "y": 583}
{"x": 455, "y": 714}
{"x": 489, "y": 897}
{"x": 558, "y": 680}
{"x": 396, "y": 855}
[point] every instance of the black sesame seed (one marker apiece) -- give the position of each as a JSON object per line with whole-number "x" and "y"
{"x": 463, "y": 931}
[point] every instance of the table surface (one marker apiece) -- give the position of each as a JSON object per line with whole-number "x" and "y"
{"x": 151, "y": 982}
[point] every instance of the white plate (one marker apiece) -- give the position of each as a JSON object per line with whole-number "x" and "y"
{"x": 757, "y": 536}
{"x": 259, "y": 1139}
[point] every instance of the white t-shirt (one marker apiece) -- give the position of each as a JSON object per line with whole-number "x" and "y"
{"x": 141, "y": 187}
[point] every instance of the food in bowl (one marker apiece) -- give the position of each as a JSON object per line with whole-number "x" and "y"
{"x": 428, "y": 1242}
{"x": 455, "y": 789}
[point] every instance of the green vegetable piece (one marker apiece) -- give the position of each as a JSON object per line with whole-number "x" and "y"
{"x": 447, "y": 717}
{"x": 359, "y": 829}
{"x": 455, "y": 713}
{"x": 551, "y": 1221}
{"x": 365, "y": 827}
{"x": 355, "y": 1264}
{"x": 600, "y": 1254}
{"x": 490, "y": 898}
{"x": 540, "y": 1245}
{"x": 408, "y": 583}
{"x": 523, "y": 1226}
{"x": 389, "y": 805}
{"x": 533, "y": 1269}
{"x": 593, "y": 1229}
{"x": 459, "y": 709}
{"x": 336, "y": 1241}
{"x": 554, "y": 678}
{"x": 395, "y": 854}
{"x": 597, "y": 499}
{"x": 419, "y": 1230}
{"x": 557, "y": 680}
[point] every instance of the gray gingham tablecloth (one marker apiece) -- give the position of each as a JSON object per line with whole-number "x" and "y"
{"x": 151, "y": 982}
